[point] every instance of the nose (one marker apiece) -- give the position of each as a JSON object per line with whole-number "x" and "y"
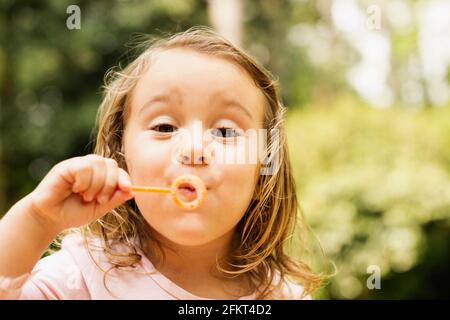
{"x": 186, "y": 159}
{"x": 192, "y": 148}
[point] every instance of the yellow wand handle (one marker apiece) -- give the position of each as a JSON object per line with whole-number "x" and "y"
{"x": 151, "y": 189}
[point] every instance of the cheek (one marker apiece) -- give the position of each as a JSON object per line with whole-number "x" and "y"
{"x": 236, "y": 190}
{"x": 146, "y": 160}
{"x": 239, "y": 179}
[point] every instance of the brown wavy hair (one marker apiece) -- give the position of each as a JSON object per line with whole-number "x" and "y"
{"x": 269, "y": 221}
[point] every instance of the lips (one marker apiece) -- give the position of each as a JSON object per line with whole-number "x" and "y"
{"x": 187, "y": 192}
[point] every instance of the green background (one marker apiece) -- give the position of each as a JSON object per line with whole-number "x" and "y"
{"x": 374, "y": 183}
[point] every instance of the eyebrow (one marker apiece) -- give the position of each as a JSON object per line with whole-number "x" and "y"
{"x": 230, "y": 103}
{"x": 155, "y": 98}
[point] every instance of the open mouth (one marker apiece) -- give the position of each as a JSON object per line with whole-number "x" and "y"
{"x": 187, "y": 192}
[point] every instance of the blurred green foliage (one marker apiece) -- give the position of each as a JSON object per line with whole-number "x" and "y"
{"x": 375, "y": 187}
{"x": 374, "y": 184}
{"x": 51, "y": 77}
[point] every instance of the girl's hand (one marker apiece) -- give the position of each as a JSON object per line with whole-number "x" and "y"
{"x": 78, "y": 191}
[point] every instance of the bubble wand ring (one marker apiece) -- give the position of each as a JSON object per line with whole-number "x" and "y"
{"x": 186, "y": 181}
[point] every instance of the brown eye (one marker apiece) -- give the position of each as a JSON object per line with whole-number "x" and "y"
{"x": 164, "y": 128}
{"x": 225, "y": 132}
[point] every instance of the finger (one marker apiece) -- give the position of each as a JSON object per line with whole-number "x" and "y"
{"x": 110, "y": 182}
{"x": 124, "y": 181}
{"x": 82, "y": 172}
{"x": 98, "y": 177}
{"x": 118, "y": 198}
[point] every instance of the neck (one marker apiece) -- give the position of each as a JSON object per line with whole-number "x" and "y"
{"x": 194, "y": 261}
{"x": 194, "y": 268}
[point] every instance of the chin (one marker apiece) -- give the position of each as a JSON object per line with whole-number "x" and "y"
{"x": 192, "y": 235}
{"x": 189, "y": 230}
{"x": 189, "y": 238}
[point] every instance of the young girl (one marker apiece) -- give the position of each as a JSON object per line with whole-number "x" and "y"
{"x": 125, "y": 244}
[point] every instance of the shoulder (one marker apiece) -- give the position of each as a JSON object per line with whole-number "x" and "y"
{"x": 285, "y": 289}
{"x": 59, "y": 275}
{"x": 294, "y": 291}
{"x": 77, "y": 271}
{"x": 61, "y": 260}
{"x": 73, "y": 253}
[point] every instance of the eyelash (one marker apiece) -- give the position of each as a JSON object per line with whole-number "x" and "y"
{"x": 223, "y": 130}
{"x": 223, "y": 134}
{"x": 162, "y": 125}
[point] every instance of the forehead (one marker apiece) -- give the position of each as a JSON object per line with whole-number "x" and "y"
{"x": 192, "y": 77}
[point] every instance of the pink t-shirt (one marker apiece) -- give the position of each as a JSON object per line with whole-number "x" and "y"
{"x": 71, "y": 273}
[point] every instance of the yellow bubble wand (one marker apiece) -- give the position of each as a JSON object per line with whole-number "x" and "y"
{"x": 189, "y": 181}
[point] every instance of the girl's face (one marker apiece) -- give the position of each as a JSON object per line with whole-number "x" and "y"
{"x": 179, "y": 111}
